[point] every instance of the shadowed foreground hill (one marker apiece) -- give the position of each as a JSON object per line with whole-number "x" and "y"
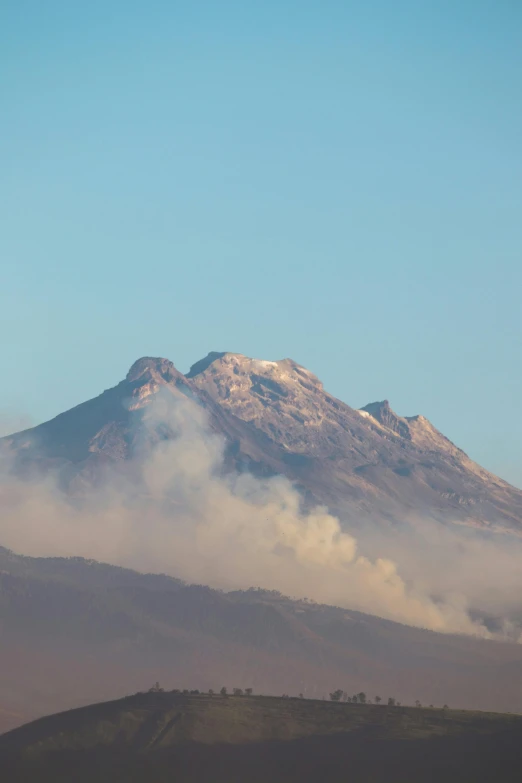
{"x": 160, "y": 737}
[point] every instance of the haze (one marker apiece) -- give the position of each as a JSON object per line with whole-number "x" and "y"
{"x": 175, "y": 511}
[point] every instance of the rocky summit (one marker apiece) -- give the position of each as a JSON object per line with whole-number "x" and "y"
{"x": 276, "y": 418}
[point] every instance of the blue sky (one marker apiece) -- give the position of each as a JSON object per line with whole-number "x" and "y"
{"x": 338, "y": 182}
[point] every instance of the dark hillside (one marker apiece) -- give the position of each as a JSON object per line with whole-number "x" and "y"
{"x": 74, "y": 631}
{"x": 174, "y": 737}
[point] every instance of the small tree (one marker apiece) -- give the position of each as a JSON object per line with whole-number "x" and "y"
{"x": 237, "y": 691}
{"x": 362, "y": 697}
{"x": 223, "y": 691}
{"x": 391, "y": 701}
{"x": 417, "y": 703}
{"x": 336, "y": 695}
{"x": 445, "y": 707}
{"x": 301, "y": 696}
{"x": 355, "y": 699}
{"x": 210, "y": 692}
{"x": 248, "y": 691}
{"x": 377, "y": 699}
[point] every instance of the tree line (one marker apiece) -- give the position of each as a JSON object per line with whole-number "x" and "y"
{"x": 361, "y": 698}
{"x": 156, "y": 688}
{"x": 338, "y": 695}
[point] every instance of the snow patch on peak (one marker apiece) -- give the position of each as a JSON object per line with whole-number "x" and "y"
{"x": 264, "y": 363}
{"x": 222, "y": 363}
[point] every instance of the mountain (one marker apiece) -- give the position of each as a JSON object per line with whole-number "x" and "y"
{"x": 164, "y": 737}
{"x": 74, "y": 631}
{"x": 277, "y": 418}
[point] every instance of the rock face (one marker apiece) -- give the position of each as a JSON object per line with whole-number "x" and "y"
{"x": 277, "y": 418}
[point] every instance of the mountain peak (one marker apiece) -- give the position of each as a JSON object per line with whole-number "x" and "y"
{"x": 417, "y": 429}
{"x": 239, "y": 364}
{"x": 202, "y": 365}
{"x": 383, "y": 413}
{"x": 378, "y": 408}
{"x": 151, "y": 367}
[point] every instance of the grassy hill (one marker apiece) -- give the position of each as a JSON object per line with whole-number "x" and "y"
{"x": 157, "y": 737}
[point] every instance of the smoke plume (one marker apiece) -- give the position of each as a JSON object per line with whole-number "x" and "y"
{"x": 181, "y": 514}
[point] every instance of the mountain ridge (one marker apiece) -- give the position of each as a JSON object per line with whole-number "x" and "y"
{"x": 276, "y": 418}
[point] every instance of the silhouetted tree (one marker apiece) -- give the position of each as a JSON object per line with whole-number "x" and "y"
{"x": 336, "y": 695}
{"x": 377, "y": 699}
{"x": 237, "y": 691}
{"x": 301, "y": 696}
{"x": 223, "y": 691}
{"x": 417, "y": 703}
{"x": 210, "y": 692}
{"x": 248, "y": 691}
{"x": 391, "y": 701}
{"x": 362, "y": 697}
{"x": 355, "y": 699}
{"x": 445, "y": 707}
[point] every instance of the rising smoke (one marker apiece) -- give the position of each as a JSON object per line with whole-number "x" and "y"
{"x": 181, "y": 514}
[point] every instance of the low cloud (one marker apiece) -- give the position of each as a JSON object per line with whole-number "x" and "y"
{"x": 181, "y": 514}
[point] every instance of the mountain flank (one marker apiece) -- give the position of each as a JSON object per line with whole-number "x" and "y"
{"x": 76, "y": 630}
{"x": 276, "y": 418}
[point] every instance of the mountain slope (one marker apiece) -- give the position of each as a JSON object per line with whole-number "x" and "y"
{"x": 74, "y": 631}
{"x": 169, "y": 736}
{"x": 277, "y": 418}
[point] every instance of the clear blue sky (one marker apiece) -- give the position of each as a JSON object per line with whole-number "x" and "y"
{"x": 338, "y": 182}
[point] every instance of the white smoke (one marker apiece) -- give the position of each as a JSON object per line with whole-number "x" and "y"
{"x": 182, "y": 515}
